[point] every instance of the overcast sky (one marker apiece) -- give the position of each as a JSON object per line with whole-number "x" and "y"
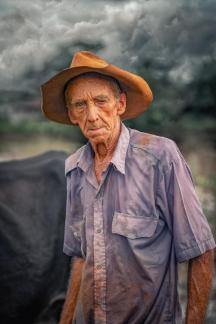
{"x": 168, "y": 39}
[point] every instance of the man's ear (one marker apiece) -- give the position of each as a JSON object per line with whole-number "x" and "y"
{"x": 121, "y": 103}
{"x": 71, "y": 116}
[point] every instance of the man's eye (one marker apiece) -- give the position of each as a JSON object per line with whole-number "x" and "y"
{"x": 79, "y": 105}
{"x": 100, "y": 101}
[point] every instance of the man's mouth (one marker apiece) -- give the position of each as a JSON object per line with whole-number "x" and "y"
{"x": 95, "y": 130}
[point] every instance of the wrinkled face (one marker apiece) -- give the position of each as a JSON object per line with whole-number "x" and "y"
{"x": 93, "y": 105}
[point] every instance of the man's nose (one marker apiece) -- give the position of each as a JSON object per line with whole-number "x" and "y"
{"x": 92, "y": 112}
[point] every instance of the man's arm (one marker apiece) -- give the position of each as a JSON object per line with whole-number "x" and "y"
{"x": 200, "y": 272}
{"x": 73, "y": 290}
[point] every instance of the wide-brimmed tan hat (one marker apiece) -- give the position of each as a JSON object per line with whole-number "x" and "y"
{"x": 138, "y": 93}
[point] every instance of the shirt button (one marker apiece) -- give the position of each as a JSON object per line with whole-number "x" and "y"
{"x": 75, "y": 234}
{"x": 98, "y": 230}
{"x": 98, "y": 266}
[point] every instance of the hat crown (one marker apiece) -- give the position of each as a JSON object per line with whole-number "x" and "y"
{"x": 84, "y": 58}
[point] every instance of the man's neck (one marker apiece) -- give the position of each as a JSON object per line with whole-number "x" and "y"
{"x": 104, "y": 153}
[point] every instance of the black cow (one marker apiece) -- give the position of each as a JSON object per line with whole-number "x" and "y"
{"x": 33, "y": 269}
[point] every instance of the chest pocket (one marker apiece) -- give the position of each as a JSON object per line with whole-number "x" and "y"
{"x": 133, "y": 226}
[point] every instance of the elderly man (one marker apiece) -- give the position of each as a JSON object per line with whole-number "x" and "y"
{"x": 132, "y": 211}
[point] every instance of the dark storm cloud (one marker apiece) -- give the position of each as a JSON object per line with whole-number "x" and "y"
{"x": 164, "y": 38}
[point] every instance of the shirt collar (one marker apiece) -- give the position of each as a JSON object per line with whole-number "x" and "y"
{"x": 119, "y": 155}
{"x": 83, "y": 158}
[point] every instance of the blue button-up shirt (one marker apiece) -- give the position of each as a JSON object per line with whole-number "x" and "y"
{"x": 132, "y": 229}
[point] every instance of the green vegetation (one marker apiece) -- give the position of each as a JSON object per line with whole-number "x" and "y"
{"x": 34, "y": 127}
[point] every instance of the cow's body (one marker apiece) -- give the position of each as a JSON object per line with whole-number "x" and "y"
{"x": 33, "y": 269}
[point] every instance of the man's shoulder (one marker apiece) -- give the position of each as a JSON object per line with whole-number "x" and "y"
{"x": 160, "y": 148}
{"x": 72, "y": 160}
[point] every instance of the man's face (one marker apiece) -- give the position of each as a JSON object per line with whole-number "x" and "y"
{"x": 95, "y": 108}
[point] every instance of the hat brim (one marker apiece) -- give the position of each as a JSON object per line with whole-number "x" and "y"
{"x": 138, "y": 92}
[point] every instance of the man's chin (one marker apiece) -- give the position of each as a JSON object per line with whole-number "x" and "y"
{"x": 97, "y": 140}
{"x": 97, "y": 135}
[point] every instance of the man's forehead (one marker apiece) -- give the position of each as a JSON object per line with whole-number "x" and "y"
{"x": 83, "y": 80}
{"x": 93, "y": 84}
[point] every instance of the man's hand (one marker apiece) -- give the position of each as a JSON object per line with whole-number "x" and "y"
{"x": 200, "y": 271}
{"x": 73, "y": 290}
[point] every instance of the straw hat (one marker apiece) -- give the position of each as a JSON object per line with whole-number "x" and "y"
{"x": 138, "y": 93}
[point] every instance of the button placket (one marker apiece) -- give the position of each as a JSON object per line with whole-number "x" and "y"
{"x": 99, "y": 261}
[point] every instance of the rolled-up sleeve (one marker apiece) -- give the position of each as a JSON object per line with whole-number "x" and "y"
{"x": 191, "y": 232}
{"x": 72, "y": 242}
